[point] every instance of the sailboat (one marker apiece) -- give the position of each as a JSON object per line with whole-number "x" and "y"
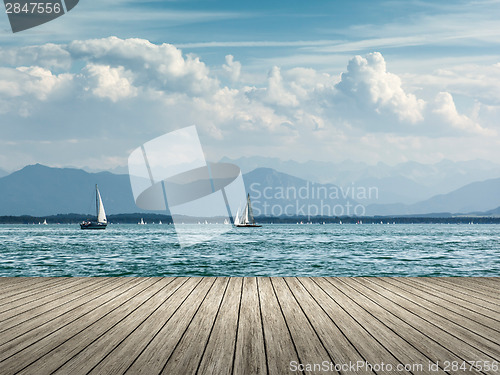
{"x": 101, "y": 222}
{"x": 246, "y": 218}
{"x": 141, "y": 222}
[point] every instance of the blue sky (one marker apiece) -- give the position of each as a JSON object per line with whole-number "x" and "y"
{"x": 375, "y": 81}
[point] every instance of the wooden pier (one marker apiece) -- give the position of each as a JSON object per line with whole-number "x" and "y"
{"x": 249, "y": 325}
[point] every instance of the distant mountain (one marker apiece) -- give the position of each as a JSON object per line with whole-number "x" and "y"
{"x": 41, "y": 190}
{"x": 494, "y": 212}
{"x": 405, "y": 183}
{"x": 3, "y": 173}
{"x": 474, "y": 197}
{"x": 276, "y": 194}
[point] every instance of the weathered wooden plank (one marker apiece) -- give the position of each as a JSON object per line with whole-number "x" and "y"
{"x": 57, "y": 301}
{"x": 472, "y": 288}
{"x": 460, "y": 294}
{"x": 125, "y": 353}
{"x": 187, "y": 355}
{"x": 309, "y": 347}
{"x": 244, "y": 325}
{"x": 455, "y": 306}
{"x": 152, "y": 360}
{"x": 462, "y": 342}
{"x": 58, "y": 355}
{"x": 250, "y": 355}
{"x": 91, "y": 355}
{"x": 40, "y": 348}
{"x": 478, "y": 335}
{"x": 398, "y": 347}
{"x": 23, "y": 335}
{"x": 280, "y": 349}
{"x": 478, "y": 284}
{"x": 23, "y": 296}
{"x": 370, "y": 350}
{"x": 16, "y": 285}
{"x": 336, "y": 342}
{"x": 219, "y": 352}
{"x": 377, "y": 307}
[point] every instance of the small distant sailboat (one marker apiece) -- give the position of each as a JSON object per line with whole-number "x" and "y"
{"x": 44, "y": 222}
{"x": 160, "y": 223}
{"x": 101, "y": 222}
{"x": 246, "y": 218}
{"x": 141, "y": 222}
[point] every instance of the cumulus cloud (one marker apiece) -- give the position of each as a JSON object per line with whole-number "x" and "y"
{"x": 445, "y": 109}
{"x": 161, "y": 66}
{"x": 232, "y": 68}
{"x": 131, "y": 90}
{"x": 367, "y": 83}
{"x": 111, "y": 83}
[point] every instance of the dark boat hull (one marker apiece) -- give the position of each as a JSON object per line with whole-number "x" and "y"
{"x": 93, "y": 225}
{"x": 248, "y": 226}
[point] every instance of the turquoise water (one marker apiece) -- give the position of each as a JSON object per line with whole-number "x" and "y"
{"x": 273, "y": 250}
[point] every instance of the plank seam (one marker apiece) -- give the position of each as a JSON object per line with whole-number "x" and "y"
{"x": 262, "y": 324}
{"x": 448, "y": 308}
{"x": 354, "y": 319}
{"x": 286, "y": 323}
{"x": 104, "y": 284}
{"x": 312, "y": 326}
{"x": 433, "y": 312}
{"x": 434, "y": 326}
{"x": 333, "y": 321}
{"x": 464, "y": 289}
{"x": 137, "y": 326}
{"x": 237, "y": 328}
{"x": 94, "y": 322}
{"x": 163, "y": 325}
{"x": 190, "y": 321}
{"x": 400, "y": 319}
{"x": 212, "y": 328}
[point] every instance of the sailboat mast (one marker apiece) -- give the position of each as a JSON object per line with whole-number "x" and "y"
{"x": 96, "y": 201}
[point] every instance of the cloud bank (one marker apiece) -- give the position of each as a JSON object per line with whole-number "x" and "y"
{"x": 106, "y": 96}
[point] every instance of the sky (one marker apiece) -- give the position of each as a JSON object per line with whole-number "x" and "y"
{"x": 370, "y": 81}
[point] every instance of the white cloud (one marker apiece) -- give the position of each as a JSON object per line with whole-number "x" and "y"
{"x": 111, "y": 83}
{"x": 131, "y": 90}
{"x": 233, "y": 68}
{"x": 368, "y": 83}
{"x": 446, "y": 110}
{"x": 276, "y": 92}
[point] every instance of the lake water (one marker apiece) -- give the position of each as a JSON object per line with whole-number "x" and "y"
{"x": 273, "y": 250}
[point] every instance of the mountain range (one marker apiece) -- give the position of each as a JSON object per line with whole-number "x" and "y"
{"x": 404, "y": 183}
{"x": 40, "y": 190}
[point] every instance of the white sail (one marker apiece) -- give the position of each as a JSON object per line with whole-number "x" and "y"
{"x": 101, "y": 214}
{"x": 246, "y": 217}
{"x": 237, "y": 217}
{"x": 250, "y": 219}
